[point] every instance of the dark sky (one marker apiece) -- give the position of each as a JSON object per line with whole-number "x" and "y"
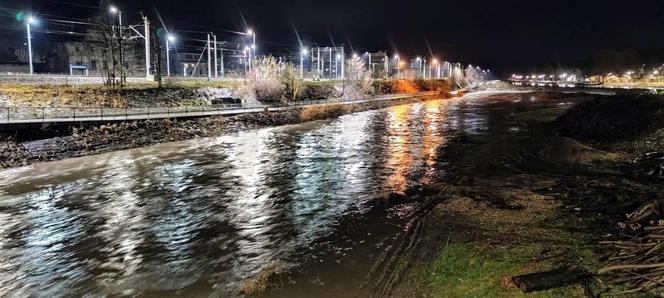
{"x": 505, "y": 35}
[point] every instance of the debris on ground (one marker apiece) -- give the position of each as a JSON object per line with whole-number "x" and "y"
{"x": 636, "y": 260}
{"x": 540, "y": 281}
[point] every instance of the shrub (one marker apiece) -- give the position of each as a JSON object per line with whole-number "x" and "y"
{"x": 318, "y": 91}
{"x": 269, "y": 90}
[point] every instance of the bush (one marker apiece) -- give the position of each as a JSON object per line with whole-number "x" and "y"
{"x": 265, "y": 80}
{"x": 269, "y": 90}
{"x": 318, "y": 92}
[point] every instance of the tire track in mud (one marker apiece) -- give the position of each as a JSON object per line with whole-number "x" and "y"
{"x": 392, "y": 262}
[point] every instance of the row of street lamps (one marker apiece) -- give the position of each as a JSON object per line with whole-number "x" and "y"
{"x": 249, "y": 51}
{"x": 422, "y": 67}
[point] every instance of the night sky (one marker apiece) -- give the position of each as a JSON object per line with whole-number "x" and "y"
{"x": 507, "y": 35}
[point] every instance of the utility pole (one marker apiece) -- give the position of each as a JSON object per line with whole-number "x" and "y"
{"x": 387, "y": 65}
{"x": 216, "y": 67}
{"x": 157, "y": 53}
{"x": 168, "y": 56}
{"x": 120, "y": 41}
{"x": 336, "y": 67}
{"x": 302, "y": 53}
{"x": 222, "y": 62}
{"x": 343, "y": 61}
{"x": 424, "y": 69}
{"x": 147, "y": 47}
{"x": 32, "y": 70}
{"x": 330, "y": 49}
{"x": 209, "y": 58}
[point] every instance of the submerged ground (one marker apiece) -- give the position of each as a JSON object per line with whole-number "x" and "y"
{"x": 443, "y": 198}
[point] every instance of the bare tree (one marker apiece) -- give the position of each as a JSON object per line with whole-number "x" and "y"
{"x": 357, "y": 78}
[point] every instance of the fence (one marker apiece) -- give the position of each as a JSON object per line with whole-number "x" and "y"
{"x": 73, "y": 114}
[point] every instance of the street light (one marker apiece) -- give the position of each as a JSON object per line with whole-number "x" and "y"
{"x": 303, "y": 52}
{"x": 252, "y": 34}
{"x": 397, "y": 58}
{"x": 30, "y": 20}
{"x": 169, "y": 39}
{"x": 435, "y": 62}
{"x": 114, "y": 10}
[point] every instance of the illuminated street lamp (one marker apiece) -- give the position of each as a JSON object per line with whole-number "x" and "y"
{"x": 435, "y": 63}
{"x": 114, "y": 10}
{"x": 419, "y": 64}
{"x": 30, "y": 20}
{"x": 169, "y": 40}
{"x": 251, "y": 33}
{"x": 303, "y": 52}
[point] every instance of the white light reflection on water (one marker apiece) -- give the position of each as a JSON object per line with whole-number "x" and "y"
{"x": 191, "y": 218}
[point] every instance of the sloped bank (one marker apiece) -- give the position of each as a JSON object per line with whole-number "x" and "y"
{"x": 27, "y": 146}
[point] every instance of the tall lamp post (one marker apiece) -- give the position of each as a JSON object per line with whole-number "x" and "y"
{"x": 303, "y": 52}
{"x": 114, "y": 10}
{"x": 30, "y": 20}
{"x": 398, "y": 59}
{"x": 251, "y": 33}
{"x": 169, "y": 40}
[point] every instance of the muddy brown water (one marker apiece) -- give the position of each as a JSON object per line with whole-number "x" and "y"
{"x": 198, "y": 218}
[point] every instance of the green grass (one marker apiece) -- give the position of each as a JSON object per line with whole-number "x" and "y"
{"x": 468, "y": 270}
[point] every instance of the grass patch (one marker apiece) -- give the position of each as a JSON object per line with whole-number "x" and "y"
{"x": 479, "y": 270}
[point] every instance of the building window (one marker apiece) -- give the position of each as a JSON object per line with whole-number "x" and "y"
{"x": 93, "y": 64}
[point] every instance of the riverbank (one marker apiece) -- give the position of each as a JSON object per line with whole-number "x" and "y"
{"x": 25, "y": 147}
{"x": 534, "y": 199}
{"x": 199, "y": 93}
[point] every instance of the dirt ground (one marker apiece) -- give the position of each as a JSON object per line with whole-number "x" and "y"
{"x": 529, "y": 202}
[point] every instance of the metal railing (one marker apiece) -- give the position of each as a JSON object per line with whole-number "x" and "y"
{"x": 18, "y": 114}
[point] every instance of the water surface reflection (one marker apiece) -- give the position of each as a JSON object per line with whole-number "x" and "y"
{"x": 195, "y": 218}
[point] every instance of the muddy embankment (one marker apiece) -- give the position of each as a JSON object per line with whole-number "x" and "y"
{"x": 28, "y": 146}
{"x": 193, "y": 93}
{"x": 546, "y": 198}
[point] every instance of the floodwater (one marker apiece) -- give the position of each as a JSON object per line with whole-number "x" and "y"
{"x": 200, "y": 218}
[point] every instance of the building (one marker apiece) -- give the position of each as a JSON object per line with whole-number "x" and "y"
{"x": 14, "y": 57}
{"x": 189, "y": 65}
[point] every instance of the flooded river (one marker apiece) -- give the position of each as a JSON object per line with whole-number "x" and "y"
{"x": 200, "y": 218}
